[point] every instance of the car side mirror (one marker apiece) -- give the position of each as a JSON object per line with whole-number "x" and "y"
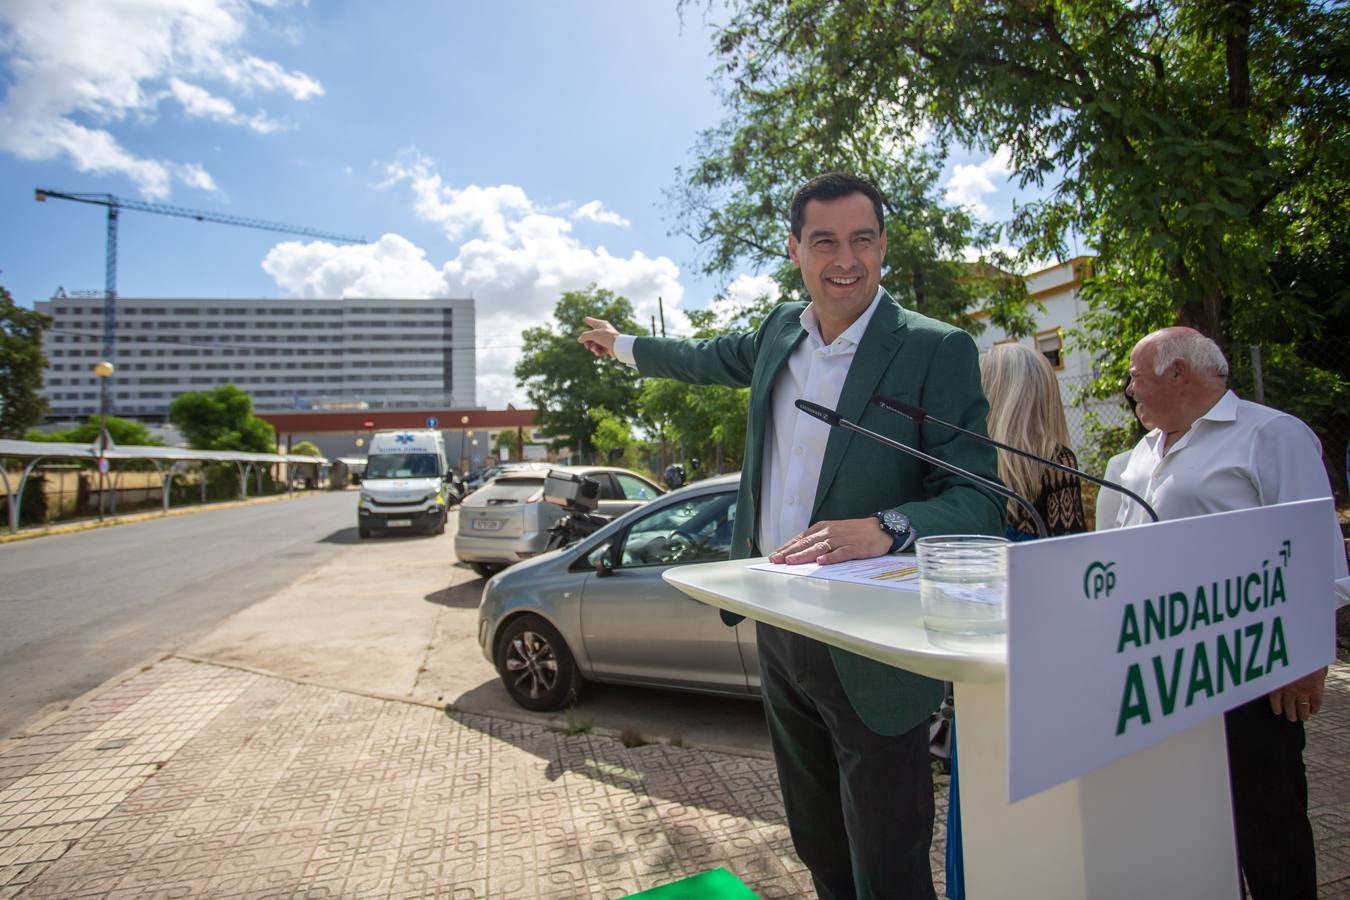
{"x": 604, "y": 563}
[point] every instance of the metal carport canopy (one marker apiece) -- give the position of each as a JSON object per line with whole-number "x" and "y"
{"x": 36, "y": 451}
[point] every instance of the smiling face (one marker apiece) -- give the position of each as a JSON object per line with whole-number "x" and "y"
{"x": 840, "y": 253}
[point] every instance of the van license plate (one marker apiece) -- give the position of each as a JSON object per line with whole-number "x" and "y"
{"x": 487, "y": 524}
{"x": 399, "y": 523}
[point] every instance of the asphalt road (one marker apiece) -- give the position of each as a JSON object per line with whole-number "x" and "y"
{"x": 77, "y": 609}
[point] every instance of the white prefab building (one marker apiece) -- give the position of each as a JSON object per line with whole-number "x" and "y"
{"x": 1057, "y": 289}
{"x": 287, "y": 354}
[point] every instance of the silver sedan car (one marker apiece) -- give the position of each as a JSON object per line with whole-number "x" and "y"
{"x": 599, "y": 610}
{"x": 507, "y": 519}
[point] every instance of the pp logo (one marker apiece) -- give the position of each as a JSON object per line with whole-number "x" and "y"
{"x": 1098, "y": 580}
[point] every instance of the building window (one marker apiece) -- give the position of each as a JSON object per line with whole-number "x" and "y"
{"x": 1051, "y": 343}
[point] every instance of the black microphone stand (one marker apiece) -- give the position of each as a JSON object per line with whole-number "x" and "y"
{"x": 830, "y": 417}
{"x": 919, "y": 415}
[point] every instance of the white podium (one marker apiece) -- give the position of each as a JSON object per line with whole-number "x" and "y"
{"x": 1123, "y": 650}
{"x": 1155, "y": 824}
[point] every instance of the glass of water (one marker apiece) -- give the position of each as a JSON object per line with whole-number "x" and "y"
{"x": 963, "y": 583}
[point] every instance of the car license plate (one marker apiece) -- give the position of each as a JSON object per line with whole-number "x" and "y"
{"x": 487, "y": 524}
{"x": 399, "y": 523}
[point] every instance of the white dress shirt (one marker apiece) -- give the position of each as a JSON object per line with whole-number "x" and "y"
{"x": 1108, "y": 501}
{"x": 1238, "y": 455}
{"x": 794, "y": 446}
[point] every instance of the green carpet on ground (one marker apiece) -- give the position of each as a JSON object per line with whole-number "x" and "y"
{"x": 715, "y": 884}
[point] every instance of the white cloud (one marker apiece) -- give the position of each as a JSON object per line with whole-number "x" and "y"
{"x": 740, "y": 293}
{"x": 747, "y": 289}
{"x": 251, "y": 74}
{"x": 512, "y": 256}
{"x": 457, "y": 211}
{"x": 200, "y": 103}
{"x": 390, "y": 267}
{"x": 969, "y": 184}
{"x": 596, "y": 212}
{"x": 519, "y": 258}
{"x": 77, "y": 67}
{"x": 194, "y": 175}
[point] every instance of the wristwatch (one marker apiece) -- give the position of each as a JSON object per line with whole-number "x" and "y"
{"x": 896, "y": 524}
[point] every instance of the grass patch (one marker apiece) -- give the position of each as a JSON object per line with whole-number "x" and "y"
{"x": 575, "y": 724}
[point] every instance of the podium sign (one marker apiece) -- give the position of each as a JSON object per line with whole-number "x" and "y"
{"x": 1119, "y": 639}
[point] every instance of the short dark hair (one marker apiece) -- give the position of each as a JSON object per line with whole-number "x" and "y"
{"x": 832, "y": 186}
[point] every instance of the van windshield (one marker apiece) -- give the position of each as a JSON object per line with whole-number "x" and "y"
{"x": 401, "y": 465}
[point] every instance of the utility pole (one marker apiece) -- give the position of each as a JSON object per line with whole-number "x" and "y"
{"x": 661, "y": 307}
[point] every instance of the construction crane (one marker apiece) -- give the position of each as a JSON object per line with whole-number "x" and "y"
{"x": 116, "y": 204}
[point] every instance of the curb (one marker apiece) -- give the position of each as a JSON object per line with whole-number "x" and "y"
{"x": 130, "y": 518}
{"x": 57, "y": 710}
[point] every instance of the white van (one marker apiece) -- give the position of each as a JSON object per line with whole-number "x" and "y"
{"x": 407, "y": 483}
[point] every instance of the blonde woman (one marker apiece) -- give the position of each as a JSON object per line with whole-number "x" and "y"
{"x": 1025, "y": 411}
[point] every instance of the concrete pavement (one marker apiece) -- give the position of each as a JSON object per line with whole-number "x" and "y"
{"x": 304, "y": 748}
{"x": 396, "y": 618}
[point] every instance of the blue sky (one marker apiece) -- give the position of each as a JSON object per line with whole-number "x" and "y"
{"x": 508, "y": 150}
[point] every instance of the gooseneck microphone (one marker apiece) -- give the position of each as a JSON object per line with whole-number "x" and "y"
{"x": 920, "y": 415}
{"x": 834, "y": 420}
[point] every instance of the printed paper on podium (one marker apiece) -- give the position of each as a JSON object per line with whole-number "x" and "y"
{"x": 898, "y": 572}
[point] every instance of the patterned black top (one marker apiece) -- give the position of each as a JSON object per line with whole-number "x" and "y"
{"x": 1060, "y": 503}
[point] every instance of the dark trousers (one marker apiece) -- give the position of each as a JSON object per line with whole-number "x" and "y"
{"x": 859, "y": 804}
{"x": 1270, "y": 803}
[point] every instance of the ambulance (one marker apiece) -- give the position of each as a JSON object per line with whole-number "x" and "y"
{"x": 408, "y": 483}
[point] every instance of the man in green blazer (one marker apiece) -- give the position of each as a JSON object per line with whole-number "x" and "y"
{"x": 850, "y": 735}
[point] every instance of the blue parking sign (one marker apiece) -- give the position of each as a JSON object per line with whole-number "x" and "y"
{"x": 432, "y": 421}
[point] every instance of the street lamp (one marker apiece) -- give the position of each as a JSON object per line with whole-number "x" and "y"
{"x": 103, "y": 370}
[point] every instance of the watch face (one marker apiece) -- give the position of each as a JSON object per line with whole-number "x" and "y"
{"x": 894, "y": 521}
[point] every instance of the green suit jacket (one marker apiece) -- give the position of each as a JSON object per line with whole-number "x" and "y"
{"x": 903, "y": 355}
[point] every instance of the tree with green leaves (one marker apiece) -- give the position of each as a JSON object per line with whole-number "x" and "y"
{"x": 306, "y": 448}
{"x": 221, "y": 419}
{"x": 1192, "y": 137}
{"x": 123, "y": 432}
{"x": 22, "y": 364}
{"x": 733, "y": 200}
{"x": 613, "y": 437}
{"x": 705, "y": 421}
{"x": 564, "y": 382}
{"x": 1200, "y": 148}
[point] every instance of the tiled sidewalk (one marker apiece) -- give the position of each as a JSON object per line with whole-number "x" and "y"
{"x": 196, "y": 780}
{"x": 216, "y": 782}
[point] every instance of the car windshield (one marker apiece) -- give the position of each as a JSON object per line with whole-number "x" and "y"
{"x": 401, "y": 465}
{"x": 697, "y": 530}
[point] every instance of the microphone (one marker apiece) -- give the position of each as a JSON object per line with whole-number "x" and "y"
{"x": 919, "y": 415}
{"x": 834, "y": 420}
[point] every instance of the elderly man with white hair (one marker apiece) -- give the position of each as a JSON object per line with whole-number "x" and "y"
{"x": 1206, "y": 452}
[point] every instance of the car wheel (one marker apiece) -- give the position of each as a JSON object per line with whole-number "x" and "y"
{"x": 536, "y": 666}
{"x": 440, "y": 526}
{"x": 486, "y": 570}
